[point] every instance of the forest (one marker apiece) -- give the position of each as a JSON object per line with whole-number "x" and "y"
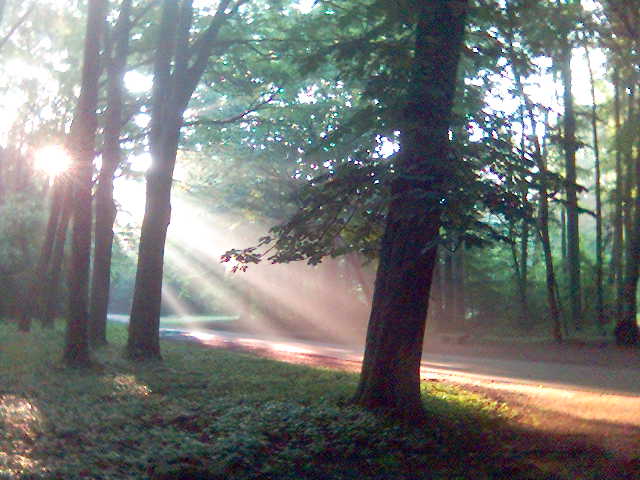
{"x": 395, "y": 179}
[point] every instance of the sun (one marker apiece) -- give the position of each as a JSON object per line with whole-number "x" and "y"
{"x": 53, "y": 160}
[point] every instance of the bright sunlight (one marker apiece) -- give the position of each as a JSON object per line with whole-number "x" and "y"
{"x": 52, "y": 160}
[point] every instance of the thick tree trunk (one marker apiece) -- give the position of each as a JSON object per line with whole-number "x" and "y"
{"x": 573, "y": 230}
{"x": 83, "y": 137}
{"x": 390, "y": 378}
{"x": 105, "y": 211}
{"x": 144, "y": 340}
{"x": 178, "y": 67}
{"x": 105, "y": 205}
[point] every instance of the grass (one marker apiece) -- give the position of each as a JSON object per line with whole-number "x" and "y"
{"x": 214, "y": 414}
{"x": 215, "y": 322}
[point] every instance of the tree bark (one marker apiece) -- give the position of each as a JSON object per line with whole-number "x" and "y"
{"x": 448, "y": 297}
{"x": 178, "y": 67}
{"x": 38, "y": 282}
{"x": 521, "y": 272}
{"x": 600, "y": 315}
{"x": 571, "y": 189}
{"x": 543, "y": 207}
{"x": 616, "y": 275}
{"x": 460, "y": 304}
{"x": 626, "y": 331}
{"x": 105, "y": 208}
{"x": 83, "y": 137}
{"x": 53, "y": 277}
{"x": 390, "y": 377}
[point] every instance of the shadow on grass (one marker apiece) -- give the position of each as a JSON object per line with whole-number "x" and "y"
{"x": 211, "y": 414}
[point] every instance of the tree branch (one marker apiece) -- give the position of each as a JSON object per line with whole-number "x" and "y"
{"x": 233, "y": 119}
{"x": 15, "y": 27}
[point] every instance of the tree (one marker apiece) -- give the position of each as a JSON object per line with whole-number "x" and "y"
{"x": 82, "y": 147}
{"x": 178, "y": 66}
{"x": 105, "y": 208}
{"x": 390, "y": 377}
{"x": 623, "y": 17}
{"x": 543, "y": 178}
{"x": 598, "y": 195}
{"x": 570, "y": 144}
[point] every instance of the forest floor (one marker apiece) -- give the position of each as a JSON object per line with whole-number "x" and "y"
{"x": 574, "y": 395}
{"x": 211, "y": 413}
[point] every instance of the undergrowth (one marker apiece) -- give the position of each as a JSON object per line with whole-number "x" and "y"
{"x": 214, "y": 414}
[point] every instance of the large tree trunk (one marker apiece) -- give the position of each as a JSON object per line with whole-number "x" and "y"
{"x": 390, "y": 378}
{"x": 111, "y": 156}
{"x": 144, "y": 340}
{"x": 105, "y": 211}
{"x": 570, "y": 147}
{"x": 83, "y": 137}
{"x": 178, "y": 67}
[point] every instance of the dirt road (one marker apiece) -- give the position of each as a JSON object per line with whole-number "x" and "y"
{"x": 581, "y": 393}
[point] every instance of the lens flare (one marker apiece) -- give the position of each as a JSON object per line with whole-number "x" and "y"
{"x": 53, "y": 160}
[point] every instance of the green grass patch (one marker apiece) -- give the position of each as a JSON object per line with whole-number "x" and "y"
{"x": 215, "y": 414}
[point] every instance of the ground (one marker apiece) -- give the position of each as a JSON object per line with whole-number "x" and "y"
{"x": 587, "y": 394}
{"x": 215, "y": 413}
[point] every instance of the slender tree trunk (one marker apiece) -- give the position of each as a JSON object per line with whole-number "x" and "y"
{"x": 627, "y": 201}
{"x": 598, "y": 193}
{"x": 626, "y": 331}
{"x": 448, "y": 294}
{"x": 460, "y": 304}
{"x": 83, "y": 138}
{"x": 434, "y": 319}
{"x": 390, "y": 378}
{"x": 616, "y": 252}
{"x": 523, "y": 283}
{"x": 543, "y": 208}
{"x": 54, "y": 276}
{"x": 355, "y": 264}
{"x": 37, "y": 286}
{"x": 111, "y": 156}
{"x": 520, "y": 269}
{"x": 570, "y": 147}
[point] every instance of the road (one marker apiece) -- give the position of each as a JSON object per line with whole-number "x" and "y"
{"x": 575, "y": 394}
